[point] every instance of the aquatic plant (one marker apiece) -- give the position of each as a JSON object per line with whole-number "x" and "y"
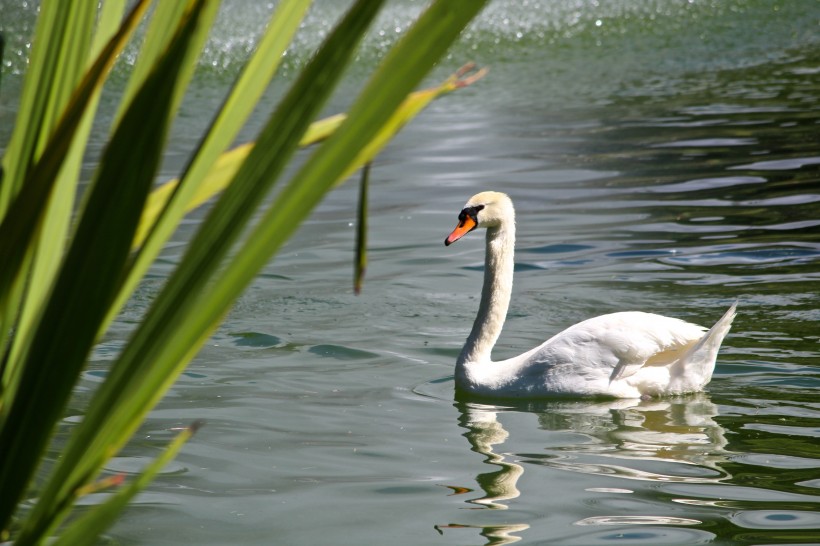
{"x": 73, "y": 253}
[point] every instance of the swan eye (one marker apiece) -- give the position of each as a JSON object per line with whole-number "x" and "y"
{"x": 470, "y": 212}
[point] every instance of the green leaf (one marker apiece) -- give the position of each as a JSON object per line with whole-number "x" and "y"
{"x": 43, "y": 259}
{"x": 405, "y": 66}
{"x": 165, "y": 19}
{"x": 409, "y": 62}
{"x": 103, "y": 263}
{"x": 170, "y": 335}
{"x": 360, "y": 262}
{"x": 156, "y": 229}
{"x": 226, "y": 166}
{"x": 179, "y": 303}
{"x": 24, "y": 220}
{"x": 221, "y": 173}
{"x": 89, "y": 278}
{"x": 93, "y": 523}
{"x": 63, "y": 37}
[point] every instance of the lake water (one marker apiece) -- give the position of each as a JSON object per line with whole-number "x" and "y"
{"x": 663, "y": 156}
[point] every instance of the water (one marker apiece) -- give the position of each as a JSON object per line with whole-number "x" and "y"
{"x": 663, "y": 157}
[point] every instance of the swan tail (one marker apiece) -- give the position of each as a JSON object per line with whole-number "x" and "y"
{"x": 695, "y": 368}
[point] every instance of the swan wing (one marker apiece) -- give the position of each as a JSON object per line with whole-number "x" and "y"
{"x": 662, "y": 345}
{"x": 687, "y": 347}
{"x": 618, "y": 345}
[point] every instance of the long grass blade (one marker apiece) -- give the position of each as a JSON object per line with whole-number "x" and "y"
{"x": 404, "y": 67}
{"x": 97, "y": 265}
{"x": 360, "y": 262}
{"x": 165, "y": 19}
{"x": 22, "y": 221}
{"x": 153, "y": 358}
{"x": 415, "y": 103}
{"x": 56, "y": 67}
{"x": 45, "y": 256}
{"x": 226, "y": 166}
{"x": 219, "y": 176}
{"x": 20, "y": 225}
{"x": 409, "y": 62}
{"x": 58, "y": 61}
{"x": 89, "y": 279}
{"x": 90, "y": 526}
{"x": 246, "y": 92}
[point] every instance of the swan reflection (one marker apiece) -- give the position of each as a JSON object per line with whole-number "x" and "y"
{"x": 679, "y": 430}
{"x": 614, "y": 438}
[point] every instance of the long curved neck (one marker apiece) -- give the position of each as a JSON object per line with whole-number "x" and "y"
{"x": 499, "y": 263}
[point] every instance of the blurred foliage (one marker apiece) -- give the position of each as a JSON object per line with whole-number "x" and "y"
{"x": 69, "y": 264}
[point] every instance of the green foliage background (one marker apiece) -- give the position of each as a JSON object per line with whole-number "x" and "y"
{"x": 68, "y": 267}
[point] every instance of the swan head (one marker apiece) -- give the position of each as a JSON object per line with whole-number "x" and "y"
{"x": 488, "y": 209}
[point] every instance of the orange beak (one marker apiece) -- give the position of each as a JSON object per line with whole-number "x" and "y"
{"x": 464, "y": 227}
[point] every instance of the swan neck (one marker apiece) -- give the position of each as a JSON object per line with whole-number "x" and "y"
{"x": 499, "y": 262}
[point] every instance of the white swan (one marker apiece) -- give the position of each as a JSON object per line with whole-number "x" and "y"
{"x": 624, "y": 355}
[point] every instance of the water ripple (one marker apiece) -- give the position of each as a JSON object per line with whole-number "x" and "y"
{"x": 792, "y": 164}
{"x": 776, "y": 519}
{"x": 637, "y": 520}
{"x": 707, "y": 143}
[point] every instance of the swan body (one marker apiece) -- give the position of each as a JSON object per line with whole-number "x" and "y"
{"x": 627, "y": 354}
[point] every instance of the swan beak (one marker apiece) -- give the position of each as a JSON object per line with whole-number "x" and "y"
{"x": 464, "y": 227}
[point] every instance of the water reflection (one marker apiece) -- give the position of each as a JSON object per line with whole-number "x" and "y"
{"x": 495, "y": 534}
{"x": 484, "y": 432}
{"x": 623, "y": 438}
{"x": 680, "y": 430}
